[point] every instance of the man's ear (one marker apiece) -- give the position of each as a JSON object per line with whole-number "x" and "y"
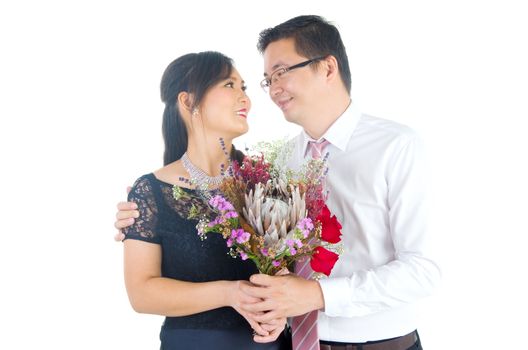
{"x": 331, "y": 67}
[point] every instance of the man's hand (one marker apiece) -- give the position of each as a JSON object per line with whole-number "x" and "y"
{"x": 126, "y": 213}
{"x": 282, "y": 296}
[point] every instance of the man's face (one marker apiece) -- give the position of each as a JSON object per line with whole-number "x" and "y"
{"x": 295, "y": 91}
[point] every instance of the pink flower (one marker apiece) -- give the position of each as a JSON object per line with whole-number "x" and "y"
{"x": 305, "y": 225}
{"x": 291, "y": 244}
{"x": 298, "y": 243}
{"x": 243, "y": 255}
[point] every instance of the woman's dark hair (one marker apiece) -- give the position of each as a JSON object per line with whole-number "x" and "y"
{"x": 193, "y": 73}
{"x": 314, "y": 37}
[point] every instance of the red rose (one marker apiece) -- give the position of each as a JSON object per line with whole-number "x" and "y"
{"x": 331, "y": 228}
{"x": 323, "y": 260}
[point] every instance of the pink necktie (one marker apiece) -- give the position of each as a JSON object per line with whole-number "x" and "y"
{"x": 304, "y": 327}
{"x": 316, "y": 148}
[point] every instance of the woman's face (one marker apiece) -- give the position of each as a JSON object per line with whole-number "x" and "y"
{"x": 225, "y": 107}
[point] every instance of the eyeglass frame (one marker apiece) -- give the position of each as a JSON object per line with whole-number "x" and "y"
{"x": 265, "y": 83}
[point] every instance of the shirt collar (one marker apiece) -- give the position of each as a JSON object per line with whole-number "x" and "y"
{"x": 339, "y": 133}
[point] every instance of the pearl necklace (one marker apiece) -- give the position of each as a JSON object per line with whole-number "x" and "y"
{"x": 198, "y": 177}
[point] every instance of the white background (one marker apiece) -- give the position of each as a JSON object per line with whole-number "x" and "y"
{"x": 81, "y": 119}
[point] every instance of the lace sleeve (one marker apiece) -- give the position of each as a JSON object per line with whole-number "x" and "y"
{"x": 144, "y": 227}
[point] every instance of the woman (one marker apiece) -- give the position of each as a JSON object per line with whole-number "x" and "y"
{"x": 168, "y": 269}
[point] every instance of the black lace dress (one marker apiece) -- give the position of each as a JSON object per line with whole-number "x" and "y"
{"x": 165, "y": 221}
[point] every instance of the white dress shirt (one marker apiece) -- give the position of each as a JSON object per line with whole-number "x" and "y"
{"x": 377, "y": 183}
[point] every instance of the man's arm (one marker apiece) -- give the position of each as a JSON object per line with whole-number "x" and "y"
{"x": 411, "y": 275}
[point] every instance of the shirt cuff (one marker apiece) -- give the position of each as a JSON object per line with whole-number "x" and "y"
{"x": 334, "y": 300}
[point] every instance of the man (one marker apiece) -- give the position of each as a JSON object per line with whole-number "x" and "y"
{"x": 377, "y": 189}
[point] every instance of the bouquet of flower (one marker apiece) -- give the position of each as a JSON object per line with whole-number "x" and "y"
{"x": 275, "y": 216}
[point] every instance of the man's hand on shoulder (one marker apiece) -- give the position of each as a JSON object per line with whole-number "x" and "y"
{"x": 126, "y": 213}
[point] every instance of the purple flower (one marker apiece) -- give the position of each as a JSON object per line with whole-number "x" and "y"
{"x": 219, "y": 220}
{"x": 231, "y": 214}
{"x": 220, "y": 203}
{"x": 230, "y": 242}
{"x": 275, "y": 263}
{"x": 243, "y": 255}
{"x": 264, "y": 251}
{"x": 240, "y": 235}
{"x": 243, "y": 237}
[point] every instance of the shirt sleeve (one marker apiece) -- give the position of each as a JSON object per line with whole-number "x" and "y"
{"x": 412, "y": 274}
{"x": 144, "y": 227}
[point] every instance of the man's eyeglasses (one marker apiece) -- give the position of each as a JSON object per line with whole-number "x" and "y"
{"x": 279, "y": 73}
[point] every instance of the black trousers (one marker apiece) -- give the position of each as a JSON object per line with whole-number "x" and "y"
{"x": 204, "y": 339}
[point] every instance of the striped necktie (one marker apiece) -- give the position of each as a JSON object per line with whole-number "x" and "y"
{"x": 316, "y": 148}
{"x": 304, "y": 327}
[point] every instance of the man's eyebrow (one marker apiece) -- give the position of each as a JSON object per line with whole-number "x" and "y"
{"x": 275, "y": 67}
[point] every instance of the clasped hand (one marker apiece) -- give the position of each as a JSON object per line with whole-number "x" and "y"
{"x": 264, "y": 332}
{"x": 278, "y": 297}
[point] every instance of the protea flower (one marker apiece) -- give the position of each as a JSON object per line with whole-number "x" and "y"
{"x": 275, "y": 217}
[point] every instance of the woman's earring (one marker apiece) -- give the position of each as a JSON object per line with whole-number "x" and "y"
{"x": 195, "y": 112}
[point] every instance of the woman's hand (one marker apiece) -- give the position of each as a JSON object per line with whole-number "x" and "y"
{"x": 274, "y": 327}
{"x": 236, "y": 298}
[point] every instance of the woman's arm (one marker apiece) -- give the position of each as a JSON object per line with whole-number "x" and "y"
{"x": 151, "y": 293}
